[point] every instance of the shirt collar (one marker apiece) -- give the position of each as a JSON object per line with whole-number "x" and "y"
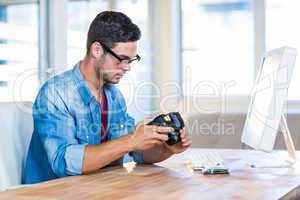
{"x": 81, "y": 85}
{"x": 83, "y": 88}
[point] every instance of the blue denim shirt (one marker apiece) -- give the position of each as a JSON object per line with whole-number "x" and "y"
{"x": 66, "y": 118}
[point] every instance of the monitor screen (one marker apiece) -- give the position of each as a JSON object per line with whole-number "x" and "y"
{"x": 268, "y": 97}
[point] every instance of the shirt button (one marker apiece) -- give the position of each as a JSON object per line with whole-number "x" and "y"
{"x": 122, "y": 126}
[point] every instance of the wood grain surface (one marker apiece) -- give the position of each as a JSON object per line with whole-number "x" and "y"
{"x": 173, "y": 179}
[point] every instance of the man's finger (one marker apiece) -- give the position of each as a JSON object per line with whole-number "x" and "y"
{"x": 156, "y": 142}
{"x": 161, "y": 137}
{"x": 182, "y": 130}
{"x": 162, "y": 129}
{"x": 182, "y": 134}
{"x": 188, "y": 142}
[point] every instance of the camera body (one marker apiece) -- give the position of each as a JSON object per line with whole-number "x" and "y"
{"x": 172, "y": 119}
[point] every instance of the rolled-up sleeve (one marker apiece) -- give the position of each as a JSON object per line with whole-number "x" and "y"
{"x": 56, "y": 129}
{"x": 74, "y": 159}
{"x": 137, "y": 156}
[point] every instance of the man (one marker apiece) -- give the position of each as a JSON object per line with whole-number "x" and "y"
{"x": 80, "y": 118}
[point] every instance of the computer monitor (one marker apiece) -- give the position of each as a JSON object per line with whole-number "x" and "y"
{"x": 266, "y": 112}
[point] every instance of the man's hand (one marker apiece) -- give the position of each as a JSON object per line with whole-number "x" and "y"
{"x": 147, "y": 136}
{"x": 181, "y": 146}
{"x": 163, "y": 151}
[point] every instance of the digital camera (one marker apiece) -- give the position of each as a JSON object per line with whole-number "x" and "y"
{"x": 172, "y": 119}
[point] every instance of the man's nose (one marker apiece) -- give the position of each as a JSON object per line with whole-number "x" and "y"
{"x": 126, "y": 66}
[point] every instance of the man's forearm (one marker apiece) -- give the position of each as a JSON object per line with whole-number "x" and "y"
{"x": 100, "y": 155}
{"x": 156, "y": 154}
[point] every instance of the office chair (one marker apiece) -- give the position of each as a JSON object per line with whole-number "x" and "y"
{"x": 15, "y": 132}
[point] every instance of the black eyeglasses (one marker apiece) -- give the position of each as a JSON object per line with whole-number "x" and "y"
{"x": 125, "y": 60}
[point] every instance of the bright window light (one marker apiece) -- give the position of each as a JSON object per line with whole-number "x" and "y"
{"x": 282, "y": 30}
{"x": 218, "y": 44}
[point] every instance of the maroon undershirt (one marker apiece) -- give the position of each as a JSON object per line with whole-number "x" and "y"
{"x": 104, "y": 109}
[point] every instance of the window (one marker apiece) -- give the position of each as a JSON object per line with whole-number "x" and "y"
{"x": 282, "y": 30}
{"x": 18, "y": 52}
{"x": 136, "y": 85}
{"x": 80, "y": 15}
{"x": 218, "y": 43}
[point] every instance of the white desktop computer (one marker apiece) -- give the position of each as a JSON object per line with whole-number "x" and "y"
{"x": 266, "y": 114}
{"x": 267, "y": 109}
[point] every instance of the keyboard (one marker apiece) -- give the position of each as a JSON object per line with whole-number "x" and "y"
{"x": 205, "y": 160}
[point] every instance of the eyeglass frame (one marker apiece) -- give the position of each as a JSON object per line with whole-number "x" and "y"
{"x": 109, "y": 50}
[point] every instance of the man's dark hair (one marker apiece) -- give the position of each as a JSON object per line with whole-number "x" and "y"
{"x": 110, "y": 27}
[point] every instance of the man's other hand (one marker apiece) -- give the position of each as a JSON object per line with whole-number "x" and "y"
{"x": 181, "y": 146}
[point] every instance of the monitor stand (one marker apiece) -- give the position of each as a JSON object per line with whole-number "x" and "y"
{"x": 272, "y": 161}
{"x": 288, "y": 139}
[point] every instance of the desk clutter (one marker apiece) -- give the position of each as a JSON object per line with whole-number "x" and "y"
{"x": 208, "y": 163}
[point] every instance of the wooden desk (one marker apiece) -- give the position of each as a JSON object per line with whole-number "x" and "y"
{"x": 172, "y": 179}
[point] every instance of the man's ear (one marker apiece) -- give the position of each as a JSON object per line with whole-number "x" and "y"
{"x": 96, "y": 50}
